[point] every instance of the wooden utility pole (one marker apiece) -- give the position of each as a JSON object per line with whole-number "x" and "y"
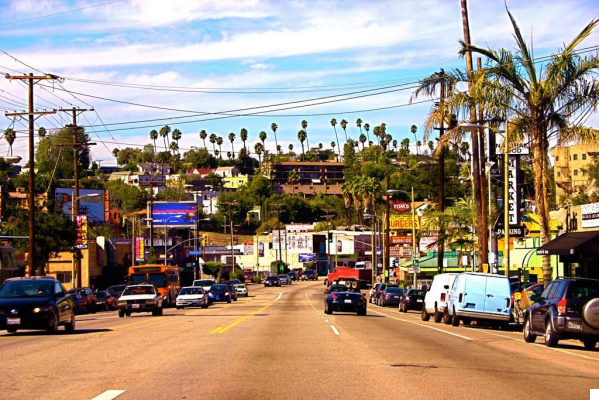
{"x": 30, "y": 78}
{"x": 441, "y": 175}
{"x": 484, "y": 223}
{"x": 230, "y": 204}
{"x": 328, "y": 210}
{"x": 278, "y": 207}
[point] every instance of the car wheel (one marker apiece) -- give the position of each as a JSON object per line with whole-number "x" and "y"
{"x": 466, "y": 321}
{"x": 228, "y": 301}
{"x": 178, "y": 308}
{"x": 328, "y": 310}
{"x": 52, "y": 329}
{"x": 93, "y": 308}
{"x": 70, "y": 327}
{"x": 362, "y": 311}
{"x": 551, "y": 339}
{"x": 121, "y": 313}
{"x": 446, "y": 317}
{"x": 589, "y": 344}
{"x": 11, "y": 330}
{"x": 128, "y": 313}
{"x": 437, "y": 317}
{"x": 424, "y": 315}
{"x": 247, "y": 295}
{"x": 455, "y": 321}
{"x": 160, "y": 311}
{"x": 529, "y": 337}
{"x": 235, "y": 299}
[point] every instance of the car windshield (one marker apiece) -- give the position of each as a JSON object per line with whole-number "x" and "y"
{"x": 394, "y": 290}
{"x": 338, "y": 288}
{"x": 272, "y": 278}
{"x": 234, "y": 281}
{"x": 159, "y": 279}
{"x": 417, "y": 293}
{"x": 583, "y": 289}
{"x": 240, "y": 285}
{"x": 100, "y": 295}
{"x": 205, "y": 282}
{"x": 135, "y": 290}
{"x": 33, "y": 288}
{"x": 189, "y": 290}
{"x": 219, "y": 287}
{"x": 118, "y": 288}
{"x": 284, "y": 276}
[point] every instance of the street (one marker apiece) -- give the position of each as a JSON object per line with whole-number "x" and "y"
{"x": 278, "y": 343}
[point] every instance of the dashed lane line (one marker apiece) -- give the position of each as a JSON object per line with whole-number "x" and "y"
{"x": 334, "y": 329}
{"x": 239, "y": 320}
{"x": 109, "y": 395}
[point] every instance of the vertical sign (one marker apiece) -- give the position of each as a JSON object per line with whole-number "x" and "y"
{"x": 81, "y": 242}
{"x": 260, "y": 249}
{"x": 140, "y": 249}
{"x": 513, "y": 191}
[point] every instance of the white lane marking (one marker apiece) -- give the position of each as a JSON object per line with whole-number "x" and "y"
{"x": 109, "y": 395}
{"x": 326, "y": 320}
{"x": 424, "y": 326}
{"x": 335, "y": 330}
{"x": 279, "y": 298}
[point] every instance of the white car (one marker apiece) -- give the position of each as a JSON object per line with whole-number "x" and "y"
{"x": 241, "y": 289}
{"x": 206, "y": 284}
{"x": 192, "y": 296}
{"x": 140, "y": 298}
{"x": 435, "y": 300}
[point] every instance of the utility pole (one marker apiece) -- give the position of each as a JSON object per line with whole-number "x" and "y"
{"x": 484, "y": 223}
{"x": 328, "y": 210}
{"x": 441, "y": 245}
{"x": 75, "y": 203}
{"x": 230, "y": 204}
{"x": 386, "y": 237}
{"x": 31, "y": 197}
{"x": 278, "y": 207}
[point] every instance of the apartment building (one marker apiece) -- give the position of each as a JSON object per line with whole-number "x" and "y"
{"x": 569, "y": 170}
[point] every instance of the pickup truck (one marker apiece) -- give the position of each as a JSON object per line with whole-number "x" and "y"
{"x": 353, "y": 277}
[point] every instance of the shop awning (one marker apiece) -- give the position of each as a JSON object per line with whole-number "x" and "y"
{"x": 572, "y": 243}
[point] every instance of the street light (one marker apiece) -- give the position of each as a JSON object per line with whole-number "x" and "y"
{"x": 372, "y": 244}
{"x": 166, "y": 234}
{"x": 76, "y": 267}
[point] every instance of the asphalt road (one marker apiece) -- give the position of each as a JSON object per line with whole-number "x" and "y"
{"x": 278, "y": 344}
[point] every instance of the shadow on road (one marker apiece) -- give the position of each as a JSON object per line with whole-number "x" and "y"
{"x": 25, "y": 333}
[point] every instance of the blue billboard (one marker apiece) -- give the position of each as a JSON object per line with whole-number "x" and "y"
{"x": 92, "y": 206}
{"x": 307, "y": 257}
{"x": 182, "y": 213}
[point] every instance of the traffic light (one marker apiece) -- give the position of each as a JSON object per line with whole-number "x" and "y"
{"x": 204, "y": 239}
{"x": 330, "y": 238}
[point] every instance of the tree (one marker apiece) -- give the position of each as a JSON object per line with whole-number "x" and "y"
{"x": 274, "y": 128}
{"x": 10, "y": 136}
{"x": 213, "y": 141}
{"x": 164, "y": 132}
{"x": 231, "y": 139}
{"x": 414, "y": 129}
{"x": 176, "y": 136}
{"x": 343, "y": 124}
{"x": 259, "y": 148}
{"x": 200, "y": 158}
{"x": 57, "y": 160}
{"x": 243, "y": 135}
{"x": 219, "y": 142}
{"x": 334, "y": 125}
{"x": 333, "y": 147}
{"x": 115, "y": 153}
{"x": 153, "y": 137}
{"x": 362, "y": 140}
{"x": 211, "y": 268}
{"x": 305, "y": 129}
{"x": 279, "y": 149}
{"x": 203, "y": 136}
{"x": 292, "y": 179}
{"x": 359, "y": 125}
{"x": 41, "y": 132}
{"x": 544, "y": 103}
{"x": 262, "y": 136}
{"x": 301, "y": 136}
{"x": 367, "y": 129}
{"x": 290, "y": 147}
{"x": 174, "y": 147}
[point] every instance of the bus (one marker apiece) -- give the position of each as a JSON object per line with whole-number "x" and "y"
{"x": 164, "y": 277}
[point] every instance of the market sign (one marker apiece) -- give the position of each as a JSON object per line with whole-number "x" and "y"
{"x": 140, "y": 249}
{"x": 400, "y": 206}
{"x": 400, "y": 239}
{"x": 81, "y": 242}
{"x": 403, "y": 222}
{"x": 590, "y": 215}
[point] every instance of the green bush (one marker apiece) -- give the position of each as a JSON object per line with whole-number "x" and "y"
{"x": 256, "y": 279}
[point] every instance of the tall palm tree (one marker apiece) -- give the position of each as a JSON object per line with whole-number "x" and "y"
{"x": 540, "y": 104}
{"x": 362, "y": 140}
{"x": 367, "y": 129}
{"x": 259, "y": 149}
{"x": 41, "y": 132}
{"x": 290, "y": 147}
{"x": 359, "y": 125}
{"x": 154, "y": 136}
{"x": 203, "y": 136}
{"x": 174, "y": 147}
{"x": 333, "y": 147}
{"x": 395, "y": 144}
{"x": 262, "y": 136}
{"x": 164, "y": 132}
{"x": 273, "y": 128}
{"x": 231, "y": 139}
{"x": 293, "y": 179}
{"x": 10, "y": 136}
{"x": 279, "y": 149}
{"x": 377, "y": 132}
{"x": 305, "y": 128}
{"x": 414, "y": 129}
{"x": 213, "y": 141}
{"x": 343, "y": 124}
{"x": 115, "y": 153}
{"x": 334, "y": 124}
{"x": 176, "y": 136}
{"x": 301, "y": 136}
{"x": 219, "y": 142}
{"x": 243, "y": 135}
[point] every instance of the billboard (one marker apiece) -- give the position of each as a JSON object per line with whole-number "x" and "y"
{"x": 93, "y": 207}
{"x": 307, "y": 257}
{"x": 403, "y": 221}
{"x": 182, "y": 213}
{"x": 140, "y": 249}
{"x": 81, "y": 242}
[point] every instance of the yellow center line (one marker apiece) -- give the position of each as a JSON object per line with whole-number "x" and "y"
{"x": 136, "y": 323}
{"x": 239, "y": 320}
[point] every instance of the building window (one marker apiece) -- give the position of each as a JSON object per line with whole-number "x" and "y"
{"x": 556, "y": 158}
{"x": 559, "y": 174}
{"x": 575, "y": 157}
{"x": 575, "y": 172}
{"x": 584, "y": 156}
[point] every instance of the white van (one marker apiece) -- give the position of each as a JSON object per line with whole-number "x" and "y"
{"x": 435, "y": 300}
{"x": 206, "y": 284}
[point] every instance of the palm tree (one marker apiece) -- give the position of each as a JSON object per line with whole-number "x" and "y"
{"x": 115, "y": 153}
{"x": 213, "y": 141}
{"x": 367, "y": 129}
{"x": 301, "y": 136}
{"x": 274, "y": 128}
{"x": 539, "y": 104}
{"x": 414, "y": 129}
{"x": 395, "y": 144}
{"x": 229, "y": 155}
{"x": 259, "y": 149}
{"x": 243, "y": 135}
{"x": 305, "y": 128}
{"x": 293, "y": 179}
{"x": 320, "y": 146}
{"x": 217, "y": 153}
{"x": 343, "y": 124}
{"x": 290, "y": 148}
{"x": 203, "y": 136}
{"x": 174, "y": 147}
{"x": 362, "y": 140}
{"x": 333, "y": 147}
{"x": 262, "y": 136}
{"x": 359, "y": 125}
{"x": 164, "y": 132}
{"x": 231, "y": 139}
{"x": 10, "y": 136}
{"x": 41, "y": 132}
{"x": 279, "y": 149}
{"x": 154, "y": 136}
{"x": 377, "y": 132}
{"x": 334, "y": 124}
{"x": 176, "y": 136}
{"x": 219, "y": 142}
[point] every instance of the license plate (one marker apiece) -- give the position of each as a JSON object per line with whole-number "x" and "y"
{"x": 418, "y": 301}
{"x": 13, "y": 321}
{"x": 347, "y": 301}
{"x": 574, "y": 325}
{"x": 135, "y": 306}
{"x": 396, "y": 297}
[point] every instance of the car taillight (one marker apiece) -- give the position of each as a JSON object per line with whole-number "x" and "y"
{"x": 561, "y": 306}
{"x": 387, "y": 296}
{"x": 333, "y": 296}
{"x": 407, "y": 299}
{"x": 362, "y": 298}
{"x": 442, "y": 296}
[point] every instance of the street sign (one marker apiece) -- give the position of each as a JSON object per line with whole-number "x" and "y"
{"x": 195, "y": 253}
{"x": 515, "y": 231}
{"x": 403, "y": 222}
{"x": 401, "y": 239}
{"x": 400, "y": 206}
{"x": 515, "y": 149}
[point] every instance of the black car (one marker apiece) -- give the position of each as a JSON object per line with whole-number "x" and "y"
{"x": 379, "y": 292}
{"x": 390, "y": 296}
{"x": 336, "y": 288}
{"x": 293, "y": 275}
{"x": 345, "y": 301}
{"x": 35, "y": 303}
{"x": 232, "y": 290}
{"x": 117, "y": 290}
{"x": 310, "y": 275}
{"x": 568, "y": 308}
{"x": 86, "y": 292}
{"x": 413, "y": 299}
{"x": 272, "y": 281}
{"x": 219, "y": 292}
{"x": 105, "y": 300}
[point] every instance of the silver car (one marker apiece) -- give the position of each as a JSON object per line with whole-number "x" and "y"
{"x": 285, "y": 279}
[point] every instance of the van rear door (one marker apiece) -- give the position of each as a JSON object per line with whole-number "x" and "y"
{"x": 498, "y": 294}
{"x": 474, "y": 295}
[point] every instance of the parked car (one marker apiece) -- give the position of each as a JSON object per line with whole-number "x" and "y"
{"x": 568, "y": 308}
{"x": 380, "y": 290}
{"x": 233, "y": 292}
{"x": 90, "y": 298}
{"x": 190, "y": 296}
{"x": 35, "y": 303}
{"x": 435, "y": 299}
{"x": 345, "y": 301}
{"x": 390, "y": 296}
{"x": 105, "y": 300}
{"x": 336, "y": 287}
{"x": 272, "y": 281}
{"x": 285, "y": 279}
{"x": 373, "y": 291}
{"x": 413, "y": 299}
{"x": 80, "y": 303}
{"x": 241, "y": 290}
{"x": 234, "y": 282}
{"x": 140, "y": 298}
{"x": 293, "y": 276}
{"x": 310, "y": 275}
{"x": 219, "y": 292}
{"x": 116, "y": 290}
{"x": 204, "y": 283}
{"x": 479, "y": 297}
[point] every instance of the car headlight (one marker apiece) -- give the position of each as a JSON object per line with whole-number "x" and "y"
{"x": 210, "y": 295}
{"x": 42, "y": 309}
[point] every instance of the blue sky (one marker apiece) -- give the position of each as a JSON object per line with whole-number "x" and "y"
{"x": 261, "y": 52}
